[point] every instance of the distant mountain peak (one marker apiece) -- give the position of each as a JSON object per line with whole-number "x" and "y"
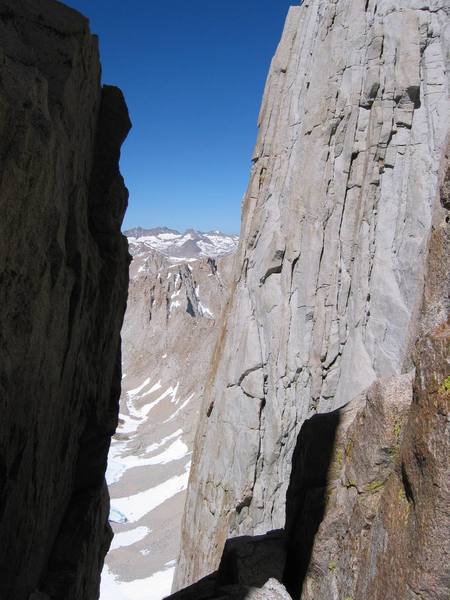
{"x": 141, "y": 231}
{"x": 180, "y": 247}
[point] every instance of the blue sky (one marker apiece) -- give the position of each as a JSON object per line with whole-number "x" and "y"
{"x": 193, "y": 74}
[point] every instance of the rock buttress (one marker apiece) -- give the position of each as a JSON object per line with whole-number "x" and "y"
{"x": 64, "y": 277}
{"x": 331, "y": 265}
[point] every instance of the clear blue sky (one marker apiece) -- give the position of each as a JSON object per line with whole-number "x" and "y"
{"x": 193, "y": 74}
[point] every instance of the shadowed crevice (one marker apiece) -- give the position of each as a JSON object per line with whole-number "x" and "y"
{"x": 248, "y": 562}
{"x": 306, "y": 496}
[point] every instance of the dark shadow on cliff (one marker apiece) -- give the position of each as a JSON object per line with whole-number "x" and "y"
{"x": 306, "y": 496}
{"x": 285, "y": 554}
{"x": 247, "y": 562}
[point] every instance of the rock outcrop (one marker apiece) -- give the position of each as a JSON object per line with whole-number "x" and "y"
{"x": 64, "y": 277}
{"x": 170, "y": 329}
{"x": 340, "y": 222}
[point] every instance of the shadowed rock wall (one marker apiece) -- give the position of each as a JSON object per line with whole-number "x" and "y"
{"x": 332, "y": 262}
{"x": 63, "y": 286}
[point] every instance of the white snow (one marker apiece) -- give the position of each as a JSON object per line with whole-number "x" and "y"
{"x": 155, "y": 446}
{"x": 128, "y": 538}
{"x": 139, "y": 388}
{"x": 175, "y": 451}
{"x": 169, "y": 392}
{"x": 116, "y": 516}
{"x": 208, "y": 244}
{"x": 171, "y": 563}
{"x": 179, "y": 260}
{"x": 137, "y": 506}
{"x": 168, "y": 236}
{"x": 127, "y": 424}
{"x": 154, "y": 388}
{"x": 118, "y": 465}
{"x": 174, "y": 393}
{"x": 155, "y": 587}
{"x": 204, "y": 310}
{"x": 115, "y": 468}
{"x": 141, "y": 413}
{"x": 185, "y": 403}
{"x": 174, "y": 304}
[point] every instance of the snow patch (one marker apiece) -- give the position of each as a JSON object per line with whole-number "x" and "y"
{"x": 157, "y": 445}
{"x": 154, "y": 388}
{"x": 177, "y": 412}
{"x": 204, "y": 311}
{"x": 139, "y": 388}
{"x": 128, "y": 538}
{"x": 115, "y": 516}
{"x": 137, "y": 506}
{"x": 157, "y": 586}
{"x": 175, "y": 451}
{"x": 118, "y": 465}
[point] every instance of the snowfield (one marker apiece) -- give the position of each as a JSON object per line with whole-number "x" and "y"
{"x": 155, "y": 587}
{"x": 130, "y": 510}
{"x": 128, "y": 538}
{"x": 135, "y": 507}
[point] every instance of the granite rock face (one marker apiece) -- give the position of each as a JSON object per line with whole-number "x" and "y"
{"x": 339, "y": 221}
{"x": 370, "y": 518}
{"x": 64, "y": 277}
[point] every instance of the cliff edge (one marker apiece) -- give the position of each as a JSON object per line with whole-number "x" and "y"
{"x": 64, "y": 277}
{"x": 343, "y": 216}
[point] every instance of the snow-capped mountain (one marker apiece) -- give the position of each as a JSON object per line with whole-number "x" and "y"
{"x": 178, "y": 246}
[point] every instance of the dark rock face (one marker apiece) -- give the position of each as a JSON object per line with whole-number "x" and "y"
{"x": 64, "y": 277}
{"x": 250, "y": 569}
{"x": 341, "y": 467}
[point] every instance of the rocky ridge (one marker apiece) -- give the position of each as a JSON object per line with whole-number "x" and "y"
{"x": 170, "y": 329}
{"x": 177, "y": 246}
{"x": 64, "y": 277}
{"x": 341, "y": 273}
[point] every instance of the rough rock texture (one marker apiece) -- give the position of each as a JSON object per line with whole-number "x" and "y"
{"x": 371, "y": 518}
{"x": 250, "y": 569}
{"x": 330, "y": 272}
{"x": 209, "y": 589}
{"x": 169, "y": 333}
{"x": 64, "y": 276}
{"x": 341, "y": 466}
